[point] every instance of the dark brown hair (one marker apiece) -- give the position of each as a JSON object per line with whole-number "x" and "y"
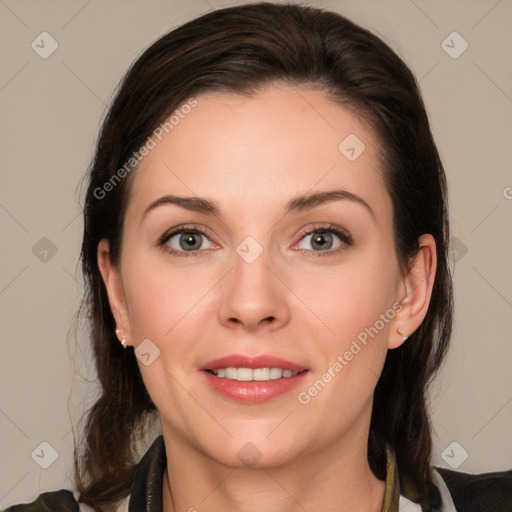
{"x": 240, "y": 50}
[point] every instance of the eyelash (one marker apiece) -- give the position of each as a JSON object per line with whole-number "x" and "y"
{"x": 343, "y": 235}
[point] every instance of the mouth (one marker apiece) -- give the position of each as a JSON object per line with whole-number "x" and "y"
{"x": 252, "y": 380}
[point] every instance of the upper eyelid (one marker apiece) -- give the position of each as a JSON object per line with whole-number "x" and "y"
{"x": 180, "y": 229}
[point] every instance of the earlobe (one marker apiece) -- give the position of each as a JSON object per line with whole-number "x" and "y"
{"x": 114, "y": 286}
{"x": 418, "y": 284}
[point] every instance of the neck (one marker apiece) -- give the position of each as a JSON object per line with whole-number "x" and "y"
{"x": 337, "y": 478}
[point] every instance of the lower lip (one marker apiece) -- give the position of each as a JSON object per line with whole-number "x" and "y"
{"x": 253, "y": 392}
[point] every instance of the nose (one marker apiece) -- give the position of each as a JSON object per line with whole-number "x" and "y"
{"x": 254, "y": 296}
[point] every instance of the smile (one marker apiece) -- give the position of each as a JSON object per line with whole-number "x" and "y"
{"x": 250, "y": 374}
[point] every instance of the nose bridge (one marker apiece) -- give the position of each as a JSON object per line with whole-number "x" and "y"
{"x": 253, "y": 294}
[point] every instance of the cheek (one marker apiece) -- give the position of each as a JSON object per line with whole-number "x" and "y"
{"x": 355, "y": 305}
{"x": 351, "y": 352}
{"x": 349, "y": 297}
{"x": 167, "y": 305}
{"x": 161, "y": 298}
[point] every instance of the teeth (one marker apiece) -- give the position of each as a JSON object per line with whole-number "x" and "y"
{"x": 276, "y": 373}
{"x": 230, "y": 373}
{"x": 261, "y": 374}
{"x": 244, "y": 374}
{"x": 249, "y": 374}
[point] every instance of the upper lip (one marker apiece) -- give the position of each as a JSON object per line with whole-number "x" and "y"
{"x": 262, "y": 361}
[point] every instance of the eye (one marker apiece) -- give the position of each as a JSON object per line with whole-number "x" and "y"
{"x": 324, "y": 243}
{"x": 188, "y": 240}
{"x": 184, "y": 240}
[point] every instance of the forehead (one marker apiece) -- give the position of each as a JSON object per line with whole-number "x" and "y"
{"x": 257, "y": 150}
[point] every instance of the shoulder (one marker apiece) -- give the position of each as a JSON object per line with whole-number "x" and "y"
{"x": 481, "y": 492}
{"x": 61, "y": 501}
{"x": 55, "y": 501}
{"x": 147, "y": 482}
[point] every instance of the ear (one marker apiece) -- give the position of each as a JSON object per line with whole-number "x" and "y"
{"x": 115, "y": 291}
{"x": 415, "y": 291}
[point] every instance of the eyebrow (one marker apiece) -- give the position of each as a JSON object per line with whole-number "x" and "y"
{"x": 296, "y": 204}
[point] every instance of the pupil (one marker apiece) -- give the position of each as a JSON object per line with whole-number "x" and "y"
{"x": 189, "y": 241}
{"x": 318, "y": 240}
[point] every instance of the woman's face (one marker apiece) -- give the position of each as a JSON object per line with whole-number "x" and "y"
{"x": 273, "y": 274}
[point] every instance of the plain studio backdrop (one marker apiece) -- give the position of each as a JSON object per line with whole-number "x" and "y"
{"x": 53, "y": 95}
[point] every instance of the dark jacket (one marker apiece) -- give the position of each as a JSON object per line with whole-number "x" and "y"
{"x": 487, "y": 492}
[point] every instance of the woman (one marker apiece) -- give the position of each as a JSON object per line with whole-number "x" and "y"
{"x": 241, "y": 147}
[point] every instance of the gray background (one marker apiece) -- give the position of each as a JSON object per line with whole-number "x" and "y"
{"x": 51, "y": 111}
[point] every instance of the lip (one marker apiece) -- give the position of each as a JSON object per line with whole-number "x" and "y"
{"x": 261, "y": 361}
{"x": 252, "y": 392}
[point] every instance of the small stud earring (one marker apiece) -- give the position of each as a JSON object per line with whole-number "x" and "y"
{"x": 123, "y": 341}
{"x": 402, "y": 335}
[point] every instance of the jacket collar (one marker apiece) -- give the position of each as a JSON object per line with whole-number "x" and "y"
{"x": 146, "y": 493}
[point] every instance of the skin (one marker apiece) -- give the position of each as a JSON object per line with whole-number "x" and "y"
{"x": 252, "y": 155}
